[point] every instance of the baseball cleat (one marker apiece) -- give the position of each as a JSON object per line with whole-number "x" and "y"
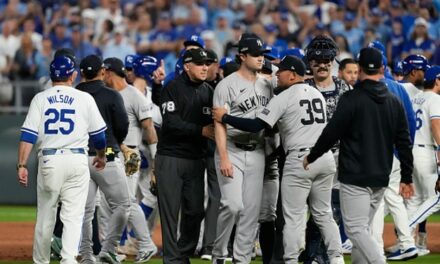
{"x": 393, "y": 248}
{"x": 423, "y": 251}
{"x": 108, "y": 257}
{"x": 347, "y": 246}
{"x": 407, "y": 254}
{"x": 145, "y": 256}
{"x": 206, "y": 257}
{"x": 337, "y": 260}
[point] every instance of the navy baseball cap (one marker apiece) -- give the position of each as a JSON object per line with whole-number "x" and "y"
{"x": 194, "y": 40}
{"x": 115, "y": 65}
{"x": 432, "y": 73}
{"x": 292, "y": 63}
{"x": 61, "y": 67}
{"x": 397, "y": 69}
{"x": 370, "y": 59}
{"x": 377, "y": 45}
{"x": 91, "y": 65}
{"x": 252, "y": 46}
{"x": 196, "y": 56}
{"x": 414, "y": 62}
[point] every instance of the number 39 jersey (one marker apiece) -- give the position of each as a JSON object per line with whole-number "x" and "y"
{"x": 63, "y": 117}
{"x": 427, "y": 107}
{"x": 301, "y": 114}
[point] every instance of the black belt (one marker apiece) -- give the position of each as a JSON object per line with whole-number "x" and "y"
{"x": 426, "y": 146}
{"x": 47, "y": 152}
{"x": 297, "y": 150}
{"x": 246, "y": 147}
{"x": 132, "y": 147}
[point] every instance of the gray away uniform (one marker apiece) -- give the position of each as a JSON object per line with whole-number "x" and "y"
{"x": 241, "y": 195}
{"x": 300, "y": 114}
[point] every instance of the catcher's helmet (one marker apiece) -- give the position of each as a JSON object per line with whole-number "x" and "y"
{"x": 144, "y": 66}
{"x": 321, "y": 48}
{"x": 61, "y": 68}
{"x": 414, "y": 62}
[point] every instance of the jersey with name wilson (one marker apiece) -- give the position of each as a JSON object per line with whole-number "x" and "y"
{"x": 63, "y": 117}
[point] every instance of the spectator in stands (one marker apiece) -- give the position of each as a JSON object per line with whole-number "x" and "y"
{"x": 183, "y": 10}
{"x": 250, "y": 12}
{"x": 143, "y": 34}
{"x": 10, "y": 42}
{"x": 353, "y": 33}
{"x": 118, "y": 46}
{"x": 46, "y": 58}
{"x": 397, "y": 41}
{"x": 27, "y": 60}
{"x": 220, "y": 8}
{"x": 319, "y": 9}
{"x": 59, "y": 36}
{"x": 194, "y": 24}
{"x": 376, "y": 21}
{"x": 81, "y": 47}
{"x": 163, "y": 37}
{"x": 285, "y": 30}
{"x": 237, "y": 29}
{"x": 29, "y": 27}
{"x": 344, "y": 48}
{"x": 419, "y": 43}
{"x": 105, "y": 34}
{"x": 222, "y": 30}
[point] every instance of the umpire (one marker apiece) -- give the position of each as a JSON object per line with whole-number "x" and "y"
{"x": 111, "y": 180}
{"x": 179, "y": 167}
{"x": 369, "y": 121}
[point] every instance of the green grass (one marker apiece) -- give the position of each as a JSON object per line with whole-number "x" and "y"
{"x": 429, "y": 259}
{"x": 17, "y": 213}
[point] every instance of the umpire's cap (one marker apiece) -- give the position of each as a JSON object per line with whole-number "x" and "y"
{"x": 61, "y": 68}
{"x": 90, "y": 66}
{"x": 196, "y": 56}
{"x": 115, "y": 65}
{"x": 292, "y": 63}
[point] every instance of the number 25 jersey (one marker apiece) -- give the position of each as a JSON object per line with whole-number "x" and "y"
{"x": 63, "y": 117}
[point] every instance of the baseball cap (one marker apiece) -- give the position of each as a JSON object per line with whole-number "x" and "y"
{"x": 252, "y": 46}
{"x": 421, "y": 22}
{"x": 272, "y": 53}
{"x": 370, "y": 58}
{"x": 195, "y": 40}
{"x": 292, "y": 63}
{"x": 432, "y": 73}
{"x": 414, "y": 62}
{"x": 224, "y": 61}
{"x": 397, "y": 69}
{"x": 271, "y": 28}
{"x": 129, "y": 59}
{"x": 115, "y": 65}
{"x": 196, "y": 56}
{"x": 91, "y": 65}
{"x": 212, "y": 55}
{"x": 237, "y": 25}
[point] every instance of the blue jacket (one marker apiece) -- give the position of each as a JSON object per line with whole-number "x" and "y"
{"x": 398, "y": 90}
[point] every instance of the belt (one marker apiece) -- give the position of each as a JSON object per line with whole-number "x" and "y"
{"x": 297, "y": 150}
{"x": 47, "y": 152}
{"x": 426, "y": 146}
{"x": 132, "y": 147}
{"x": 246, "y": 147}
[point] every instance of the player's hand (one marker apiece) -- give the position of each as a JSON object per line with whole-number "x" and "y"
{"x": 226, "y": 168}
{"x": 99, "y": 162}
{"x": 159, "y": 74}
{"x": 306, "y": 163}
{"x": 208, "y": 131}
{"x": 218, "y": 113}
{"x": 406, "y": 190}
{"x": 22, "y": 174}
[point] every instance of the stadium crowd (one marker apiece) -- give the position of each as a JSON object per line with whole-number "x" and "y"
{"x": 32, "y": 30}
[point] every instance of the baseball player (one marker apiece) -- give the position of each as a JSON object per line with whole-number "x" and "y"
{"x": 246, "y": 93}
{"x": 298, "y": 110}
{"x": 112, "y": 180}
{"x": 392, "y": 200}
{"x": 139, "y": 117}
{"x": 413, "y": 68}
{"x": 426, "y": 106}
{"x": 320, "y": 54}
{"x": 348, "y": 71}
{"x": 60, "y": 122}
{"x": 369, "y": 122}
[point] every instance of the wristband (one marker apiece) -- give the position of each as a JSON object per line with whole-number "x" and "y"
{"x": 153, "y": 149}
{"x": 21, "y": 166}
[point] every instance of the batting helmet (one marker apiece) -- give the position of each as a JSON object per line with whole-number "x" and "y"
{"x": 414, "y": 62}
{"x": 129, "y": 59}
{"x": 61, "y": 68}
{"x": 144, "y": 66}
{"x": 377, "y": 45}
{"x": 398, "y": 69}
{"x": 321, "y": 48}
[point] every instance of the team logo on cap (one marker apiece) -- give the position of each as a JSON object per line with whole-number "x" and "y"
{"x": 203, "y": 53}
{"x": 259, "y": 43}
{"x": 194, "y": 38}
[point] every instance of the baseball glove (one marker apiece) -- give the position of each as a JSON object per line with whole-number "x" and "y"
{"x": 132, "y": 162}
{"x": 153, "y": 183}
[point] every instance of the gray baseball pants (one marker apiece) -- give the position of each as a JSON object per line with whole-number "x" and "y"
{"x": 111, "y": 180}
{"x": 314, "y": 184}
{"x": 358, "y": 207}
{"x": 240, "y": 202}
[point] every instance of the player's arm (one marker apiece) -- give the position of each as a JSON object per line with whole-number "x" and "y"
{"x": 150, "y": 136}
{"x": 220, "y": 139}
{"x": 96, "y": 129}
{"x": 403, "y": 146}
{"x": 435, "y": 127}
{"x": 409, "y": 111}
{"x": 156, "y": 89}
